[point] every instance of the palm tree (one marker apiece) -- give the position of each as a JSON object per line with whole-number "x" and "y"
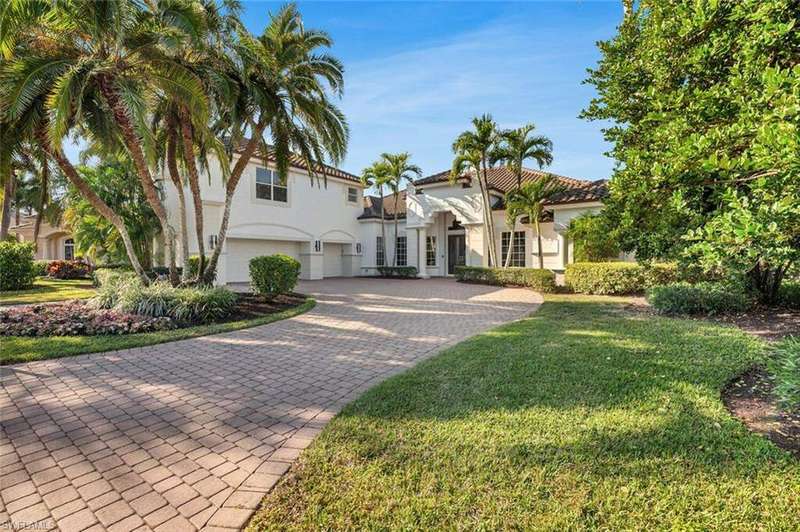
{"x": 100, "y": 64}
{"x": 529, "y": 200}
{"x": 377, "y": 175}
{"x": 518, "y": 145}
{"x": 285, "y": 83}
{"x": 473, "y": 151}
{"x": 400, "y": 171}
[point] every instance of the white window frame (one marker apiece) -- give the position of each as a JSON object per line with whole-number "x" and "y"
{"x": 272, "y": 186}
{"x": 517, "y": 250}
{"x": 404, "y": 247}
{"x": 430, "y": 251}
{"x": 69, "y": 243}
{"x": 353, "y": 201}
{"x": 380, "y": 255}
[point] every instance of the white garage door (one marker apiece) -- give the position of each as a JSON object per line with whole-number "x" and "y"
{"x": 332, "y": 256}
{"x": 241, "y": 250}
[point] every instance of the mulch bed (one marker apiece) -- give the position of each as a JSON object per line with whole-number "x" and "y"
{"x": 749, "y": 398}
{"x": 251, "y": 306}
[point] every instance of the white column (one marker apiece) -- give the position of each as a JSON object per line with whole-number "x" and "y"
{"x": 422, "y": 252}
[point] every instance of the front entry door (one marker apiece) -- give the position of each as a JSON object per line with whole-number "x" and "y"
{"x": 456, "y": 252}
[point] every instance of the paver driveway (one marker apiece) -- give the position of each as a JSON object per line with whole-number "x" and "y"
{"x": 192, "y": 434}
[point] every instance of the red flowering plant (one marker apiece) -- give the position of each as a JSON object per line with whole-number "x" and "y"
{"x": 69, "y": 269}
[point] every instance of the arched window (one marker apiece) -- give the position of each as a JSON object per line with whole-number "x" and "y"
{"x": 69, "y": 249}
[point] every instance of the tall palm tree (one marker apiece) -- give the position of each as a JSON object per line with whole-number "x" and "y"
{"x": 377, "y": 175}
{"x": 473, "y": 151}
{"x": 100, "y": 64}
{"x": 518, "y": 145}
{"x": 529, "y": 200}
{"x": 285, "y": 84}
{"x": 400, "y": 172}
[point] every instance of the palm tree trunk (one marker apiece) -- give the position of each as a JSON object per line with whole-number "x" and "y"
{"x": 539, "y": 244}
{"x": 100, "y": 206}
{"x": 194, "y": 187}
{"x": 132, "y": 143}
{"x": 394, "y": 257}
{"x": 43, "y": 195}
{"x": 8, "y": 197}
{"x": 510, "y": 243}
{"x": 492, "y": 236}
{"x": 175, "y": 177}
{"x": 487, "y": 215}
{"x": 230, "y": 188}
{"x": 383, "y": 232}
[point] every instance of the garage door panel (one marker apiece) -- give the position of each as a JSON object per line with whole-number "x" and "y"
{"x": 332, "y": 257}
{"x": 241, "y": 250}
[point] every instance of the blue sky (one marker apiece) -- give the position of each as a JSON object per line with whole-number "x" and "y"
{"x": 416, "y": 72}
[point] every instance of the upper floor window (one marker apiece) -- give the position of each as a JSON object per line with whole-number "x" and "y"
{"x": 352, "y": 194}
{"x": 402, "y": 251}
{"x": 517, "y": 248}
{"x": 269, "y": 186}
{"x": 430, "y": 251}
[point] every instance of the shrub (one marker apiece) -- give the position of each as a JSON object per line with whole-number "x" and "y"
{"x": 784, "y": 365}
{"x": 614, "y": 278}
{"x": 702, "y": 298}
{"x": 69, "y": 269}
{"x": 194, "y": 265}
{"x": 789, "y": 294}
{"x": 126, "y": 294}
{"x": 274, "y": 274}
{"x": 40, "y": 266}
{"x": 103, "y": 278}
{"x": 540, "y": 280}
{"x": 593, "y": 238}
{"x": 17, "y": 270}
{"x": 400, "y": 272}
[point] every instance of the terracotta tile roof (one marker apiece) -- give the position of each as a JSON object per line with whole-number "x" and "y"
{"x": 502, "y": 180}
{"x": 372, "y": 207}
{"x": 297, "y": 162}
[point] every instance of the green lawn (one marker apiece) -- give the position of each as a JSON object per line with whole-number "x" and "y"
{"x": 25, "y": 349}
{"x": 584, "y": 416}
{"x": 47, "y": 290}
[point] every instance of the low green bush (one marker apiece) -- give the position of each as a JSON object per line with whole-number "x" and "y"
{"x": 194, "y": 266}
{"x": 274, "y": 275}
{"x": 540, "y": 280}
{"x": 125, "y": 293}
{"x": 784, "y": 366}
{"x": 703, "y": 298}
{"x": 17, "y": 270}
{"x": 41, "y": 267}
{"x": 789, "y": 294}
{"x": 399, "y": 272}
{"x": 616, "y": 278}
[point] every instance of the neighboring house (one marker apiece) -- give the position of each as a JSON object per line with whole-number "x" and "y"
{"x": 335, "y": 231}
{"x": 55, "y": 242}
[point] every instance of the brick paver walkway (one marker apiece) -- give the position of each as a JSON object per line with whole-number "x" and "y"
{"x": 192, "y": 434}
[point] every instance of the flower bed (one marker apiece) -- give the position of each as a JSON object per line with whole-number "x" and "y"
{"x": 75, "y": 318}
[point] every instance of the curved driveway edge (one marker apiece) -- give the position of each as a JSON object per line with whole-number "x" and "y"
{"x": 192, "y": 434}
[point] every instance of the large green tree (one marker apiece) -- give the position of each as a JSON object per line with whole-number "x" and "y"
{"x": 116, "y": 183}
{"x": 400, "y": 171}
{"x": 529, "y": 200}
{"x": 703, "y": 98}
{"x": 519, "y": 145}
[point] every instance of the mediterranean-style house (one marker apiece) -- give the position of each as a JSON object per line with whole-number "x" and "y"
{"x": 335, "y": 231}
{"x": 55, "y": 241}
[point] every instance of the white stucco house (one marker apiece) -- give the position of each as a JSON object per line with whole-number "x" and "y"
{"x": 55, "y": 242}
{"x": 334, "y": 230}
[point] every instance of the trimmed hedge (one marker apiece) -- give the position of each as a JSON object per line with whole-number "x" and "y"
{"x": 274, "y": 275}
{"x": 17, "y": 270}
{"x": 399, "y": 272}
{"x": 698, "y": 299}
{"x": 41, "y": 267}
{"x": 540, "y": 280}
{"x": 615, "y": 278}
{"x": 69, "y": 269}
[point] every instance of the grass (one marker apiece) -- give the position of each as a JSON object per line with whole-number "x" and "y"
{"x": 583, "y": 416}
{"x": 48, "y": 290}
{"x": 15, "y": 349}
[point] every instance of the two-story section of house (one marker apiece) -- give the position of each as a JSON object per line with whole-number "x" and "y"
{"x": 314, "y": 220}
